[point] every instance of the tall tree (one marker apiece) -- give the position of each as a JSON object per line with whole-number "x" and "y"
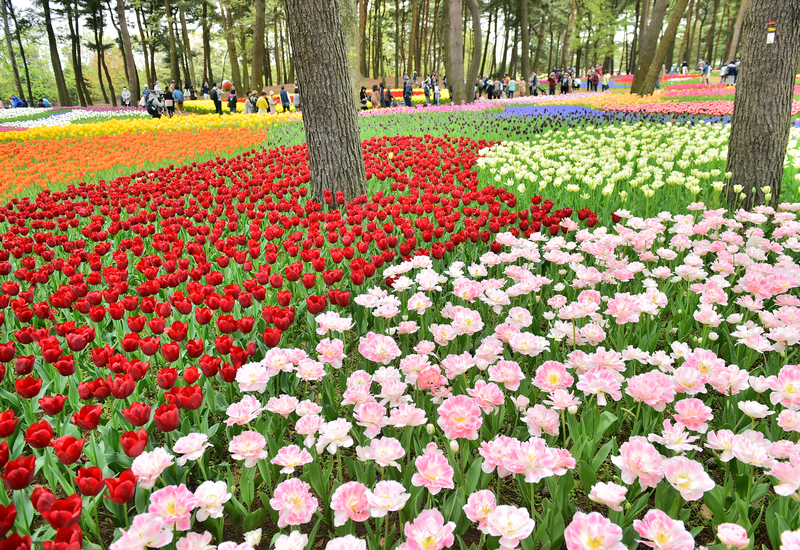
{"x": 648, "y": 44}
{"x": 526, "y": 39}
{"x": 174, "y": 68}
{"x": 330, "y": 116}
{"x": 762, "y": 110}
{"x": 73, "y": 25}
{"x": 362, "y": 37}
{"x": 477, "y": 43}
{"x": 18, "y": 36}
{"x": 133, "y": 75}
{"x": 58, "y": 72}
{"x": 227, "y": 27}
{"x": 208, "y": 73}
{"x": 737, "y": 32}
{"x": 258, "y": 44}
{"x": 654, "y": 71}
{"x": 565, "y": 48}
{"x": 710, "y": 37}
{"x": 187, "y": 48}
{"x": 10, "y": 46}
{"x": 683, "y": 55}
{"x": 454, "y": 51}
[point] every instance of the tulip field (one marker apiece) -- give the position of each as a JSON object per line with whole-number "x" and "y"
{"x": 540, "y": 328}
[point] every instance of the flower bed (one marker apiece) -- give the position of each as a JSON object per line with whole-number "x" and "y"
{"x": 704, "y": 108}
{"x": 202, "y": 106}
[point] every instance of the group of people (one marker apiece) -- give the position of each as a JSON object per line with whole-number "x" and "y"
{"x": 381, "y": 95}
{"x": 728, "y": 71}
{"x": 255, "y": 102}
{"x": 159, "y": 101}
{"x": 500, "y": 87}
{"x": 17, "y": 102}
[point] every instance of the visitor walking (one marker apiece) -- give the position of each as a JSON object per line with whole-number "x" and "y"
{"x": 248, "y": 105}
{"x": 512, "y": 87}
{"x": 178, "y": 96}
{"x": 125, "y": 97}
{"x": 232, "y": 100}
{"x": 684, "y": 67}
{"x": 426, "y": 89}
{"x": 169, "y": 102}
{"x": 534, "y": 81}
{"x": 375, "y": 97}
{"x": 206, "y": 90}
{"x": 296, "y": 98}
{"x": 551, "y": 83}
{"x": 407, "y": 93}
{"x": 214, "y": 95}
{"x": 606, "y": 78}
{"x": 362, "y": 98}
{"x": 285, "y": 102}
{"x": 436, "y": 94}
{"x": 261, "y": 104}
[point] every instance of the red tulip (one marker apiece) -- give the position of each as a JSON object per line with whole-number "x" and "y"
{"x": 28, "y": 387}
{"x": 121, "y": 489}
{"x": 137, "y": 414}
{"x": 16, "y": 542}
{"x": 67, "y": 538}
{"x": 39, "y": 435}
{"x": 8, "y": 423}
{"x": 88, "y": 417}
{"x": 52, "y": 404}
{"x": 89, "y": 481}
{"x": 64, "y": 512}
{"x": 42, "y": 499}
{"x": 8, "y": 514}
{"x": 133, "y": 443}
{"x": 167, "y": 417}
{"x": 272, "y": 337}
{"x": 68, "y": 449}
{"x": 24, "y": 364}
{"x": 316, "y": 304}
{"x": 284, "y": 297}
{"x": 166, "y": 378}
{"x": 19, "y": 472}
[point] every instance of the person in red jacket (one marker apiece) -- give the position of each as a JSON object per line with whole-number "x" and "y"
{"x": 551, "y": 82}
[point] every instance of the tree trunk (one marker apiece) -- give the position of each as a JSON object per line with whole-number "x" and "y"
{"x": 99, "y": 43}
{"x": 266, "y": 62}
{"x": 648, "y": 44}
{"x": 77, "y": 65}
{"x": 188, "y": 49}
{"x": 683, "y": 55}
{"x": 670, "y": 54}
{"x": 208, "y": 73}
{"x": 412, "y": 54}
{"x": 700, "y": 39}
{"x": 540, "y": 40}
{"x": 762, "y": 110}
{"x": 710, "y": 37}
{"x": 526, "y": 39}
{"x": 486, "y": 47}
{"x": 174, "y": 69}
{"x": 362, "y": 36}
{"x": 635, "y": 40}
{"x": 245, "y": 76}
{"x": 737, "y": 32}
{"x": 21, "y": 49}
{"x": 512, "y": 69}
{"x": 58, "y": 73}
{"x": 453, "y": 51}
{"x": 721, "y": 31}
{"x": 477, "y": 43}
{"x": 565, "y": 52}
{"x": 503, "y": 65}
{"x": 227, "y": 28}
{"x": 396, "y": 43}
{"x": 10, "y": 45}
{"x": 133, "y": 76}
{"x": 258, "y": 44}
{"x": 653, "y": 74}
{"x": 330, "y": 117}
{"x": 278, "y": 78}
{"x": 148, "y": 73}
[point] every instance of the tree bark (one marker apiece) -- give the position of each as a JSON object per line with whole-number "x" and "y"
{"x": 99, "y": 45}
{"x": 634, "y": 41}
{"x": 58, "y": 72}
{"x": 486, "y": 47}
{"x": 10, "y": 46}
{"x": 763, "y": 105}
{"x": 649, "y": 84}
{"x": 227, "y": 27}
{"x": 330, "y": 117}
{"x": 682, "y": 56}
{"x": 648, "y": 44}
{"x": 454, "y": 51}
{"x": 412, "y": 50}
{"x": 77, "y": 65}
{"x": 565, "y": 51}
{"x": 21, "y": 49}
{"x": 526, "y": 39}
{"x": 278, "y": 78}
{"x": 710, "y": 37}
{"x": 737, "y": 32}
{"x": 477, "y": 43}
{"x": 540, "y": 40}
{"x": 187, "y": 49}
{"x": 362, "y": 36}
{"x": 174, "y": 68}
{"x": 503, "y": 65}
{"x": 258, "y": 44}
{"x": 133, "y": 75}
{"x": 208, "y": 73}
